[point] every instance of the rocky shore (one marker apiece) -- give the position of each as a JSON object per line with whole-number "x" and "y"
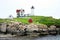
{"x": 20, "y": 29}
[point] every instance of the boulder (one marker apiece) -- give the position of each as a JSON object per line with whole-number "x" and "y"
{"x": 52, "y": 27}
{"x": 32, "y": 27}
{"x": 3, "y": 27}
{"x": 12, "y": 27}
{"x": 42, "y": 26}
{"x": 22, "y": 27}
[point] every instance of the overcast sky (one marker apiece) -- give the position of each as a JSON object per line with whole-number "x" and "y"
{"x": 42, "y": 7}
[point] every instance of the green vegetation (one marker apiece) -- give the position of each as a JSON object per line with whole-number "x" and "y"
{"x": 37, "y": 20}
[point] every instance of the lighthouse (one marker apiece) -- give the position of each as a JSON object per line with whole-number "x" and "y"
{"x": 32, "y": 10}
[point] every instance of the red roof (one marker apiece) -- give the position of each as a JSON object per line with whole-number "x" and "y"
{"x": 18, "y": 11}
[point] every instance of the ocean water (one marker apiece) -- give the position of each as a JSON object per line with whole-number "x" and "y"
{"x": 48, "y": 37}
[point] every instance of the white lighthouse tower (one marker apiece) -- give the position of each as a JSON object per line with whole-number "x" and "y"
{"x": 32, "y": 10}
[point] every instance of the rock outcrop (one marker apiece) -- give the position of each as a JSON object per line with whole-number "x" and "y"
{"x": 21, "y": 29}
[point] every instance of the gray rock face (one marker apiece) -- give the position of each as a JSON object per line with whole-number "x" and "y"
{"x": 42, "y": 27}
{"x": 3, "y": 27}
{"x": 12, "y": 28}
{"x": 32, "y": 27}
{"x": 19, "y": 28}
{"x": 52, "y": 27}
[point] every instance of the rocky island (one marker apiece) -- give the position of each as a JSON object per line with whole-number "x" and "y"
{"x": 35, "y": 26}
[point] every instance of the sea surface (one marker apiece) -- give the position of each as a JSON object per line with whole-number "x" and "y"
{"x": 48, "y": 37}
